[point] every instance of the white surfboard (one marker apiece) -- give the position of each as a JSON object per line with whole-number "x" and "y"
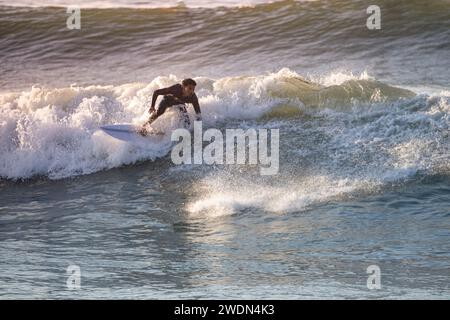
{"x": 127, "y": 132}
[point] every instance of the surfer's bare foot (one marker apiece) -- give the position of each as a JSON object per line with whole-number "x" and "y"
{"x": 143, "y": 131}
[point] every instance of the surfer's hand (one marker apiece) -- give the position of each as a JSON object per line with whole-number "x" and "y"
{"x": 151, "y": 110}
{"x": 198, "y": 117}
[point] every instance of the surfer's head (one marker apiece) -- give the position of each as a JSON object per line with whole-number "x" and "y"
{"x": 188, "y": 87}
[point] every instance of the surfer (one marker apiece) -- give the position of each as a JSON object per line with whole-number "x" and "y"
{"x": 178, "y": 94}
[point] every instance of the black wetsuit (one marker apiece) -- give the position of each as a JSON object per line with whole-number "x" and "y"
{"x": 174, "y": 95}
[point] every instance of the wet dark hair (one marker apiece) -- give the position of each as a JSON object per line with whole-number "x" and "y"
{"x": 188, "y": 81}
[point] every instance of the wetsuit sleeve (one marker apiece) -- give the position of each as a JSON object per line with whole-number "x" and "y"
{"x": 163, "y": 91}
{"x": 196, "y": 104}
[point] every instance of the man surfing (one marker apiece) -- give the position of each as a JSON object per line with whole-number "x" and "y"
{"x": 178, "y": 94}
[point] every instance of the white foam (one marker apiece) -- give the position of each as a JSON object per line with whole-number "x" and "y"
{"x": 51, "y": 132}
{"x": 223, "y": 195}
{"x": 338, "y": 77}
{"x": 362, "y": 149}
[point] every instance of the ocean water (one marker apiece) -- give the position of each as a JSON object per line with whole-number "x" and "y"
{"x": 364, "y": 168}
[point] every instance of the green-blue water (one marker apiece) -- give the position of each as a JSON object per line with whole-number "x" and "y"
{"x": 129, "y": 233}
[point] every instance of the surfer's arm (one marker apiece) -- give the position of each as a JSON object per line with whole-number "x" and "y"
{"x": 196, "y": 105}
{"x": 160, "y": 92}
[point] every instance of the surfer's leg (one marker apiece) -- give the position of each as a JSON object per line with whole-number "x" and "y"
{"x": 185, "y": 117}
{"x": 155, "y": 115}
